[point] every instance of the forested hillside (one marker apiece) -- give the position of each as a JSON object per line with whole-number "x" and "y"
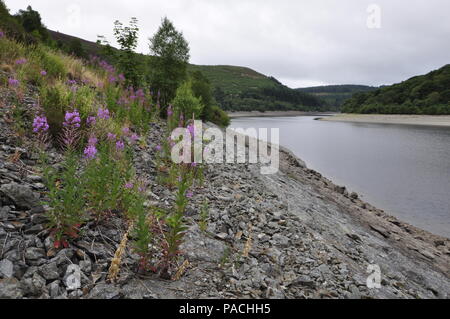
{"x": 335, "y": 95}
{"x": 426, "y": 94}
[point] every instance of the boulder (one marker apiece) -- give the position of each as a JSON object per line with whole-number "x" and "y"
{"x": 22, "y": 196}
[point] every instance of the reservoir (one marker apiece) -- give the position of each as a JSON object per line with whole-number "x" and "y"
{"x": 403, "y": 169}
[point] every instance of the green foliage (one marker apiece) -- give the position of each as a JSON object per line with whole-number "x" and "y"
{"x": 76, "y": 47}
{"x": 127, "y": 59}
{"x": 186, "y": 103}
{"x": 54, "y": 102}
{"x": 169, "y": 64}
{"x": 104, "y": 179}
{"x": 242, "y": 89}
{"x": 218, "y": 116}
{"x": 142, "y": 234}
{"x": 204, "y": 215}
{"x": 12, "y": 27}
{"x": 335, "y": 95}
{"x": 426, "y": 94}
{"x": 175, "y": 222}
{"x": 66, "y": 199}
{"x": 31, "y": 22}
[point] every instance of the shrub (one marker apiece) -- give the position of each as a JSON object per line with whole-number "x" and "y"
{"x": 186, "y": 103}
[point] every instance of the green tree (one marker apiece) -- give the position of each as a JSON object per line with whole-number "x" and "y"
{"x": 31, "y": 21}
{"x": 201, "y": 87}
{"x": 127, "y": 59}
{"x": 169, "y": 64}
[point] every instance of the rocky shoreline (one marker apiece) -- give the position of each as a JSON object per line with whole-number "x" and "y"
{"x": 293, "y": 234}
{"x": 275, "y": 114}
{"x": 426, "y": 120}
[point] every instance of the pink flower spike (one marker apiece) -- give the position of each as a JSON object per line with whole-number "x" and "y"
{"x": 129, "y": 185}
{"x": 90, "y": 152}
{"x": 120, "y": 146}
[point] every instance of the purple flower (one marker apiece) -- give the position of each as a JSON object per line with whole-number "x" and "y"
{"x": 111, "y": 136}
{"x": 71, "y": 82}
{"x": 169, "y": 110}
{"x": 129, "y": 185}
{"x": 121, "y": 77}
{"x": 21, "y": 61}
{"x": 134, "y": 137}
{"x": 158, "y": 148}
{"x": 189, "y": 194}
{"x": 72, "y": 119}
{"x": 119, "y": 145}
{"x": 43, "y": 73}
{"x": 191, "y": 129}
{"x": 140, "y": 93}
{"x": 2, "y": 34}
{"x": 13, "y": 82}
{"x": 90, "y": 152}
{"x": 91, "y": 120}
{"x": 40, "y": 124}
{"x": 112, "y": 79}
{"x": 103, "y": 113}
{"x": 126, "y": 130}
{"x": 92, "y": 141}
{"x": 193, "y": 164}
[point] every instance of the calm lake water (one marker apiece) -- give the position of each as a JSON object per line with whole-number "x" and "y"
{"x": 402, "y": 169}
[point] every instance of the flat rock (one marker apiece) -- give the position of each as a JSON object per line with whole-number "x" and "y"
{"x": 22, "y": 196}
{"x": 6, "y": 268}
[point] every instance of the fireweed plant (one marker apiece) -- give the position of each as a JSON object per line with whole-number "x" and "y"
{"x": 105, "y": 175}
{"x": 173, "y": 238}
{"x": 94, "y": 116}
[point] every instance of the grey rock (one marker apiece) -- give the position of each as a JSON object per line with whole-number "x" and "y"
{"x": 53, "y": 289}
{"x": 4, "y": 212}
{"x": 105, "y": 291}
{"x": 22, "y": 196}
{"x": 10, "y": 288}
{"x": 49, "y": 271}
{"x": 6, "y": 268}
{"x": 222, "y": 236}
{"x": 86, "y": 266}
{"x": 33, "y": 253}
{"x": 38, "y": 281}
{"x": 280, "y": 240}
{"x": 304, "y": 281}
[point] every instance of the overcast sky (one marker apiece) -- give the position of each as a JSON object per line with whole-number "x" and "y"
{"x": 300, "y": 42}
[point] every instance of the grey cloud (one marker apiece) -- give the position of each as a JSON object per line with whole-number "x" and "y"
{"x": 299, "y": 42}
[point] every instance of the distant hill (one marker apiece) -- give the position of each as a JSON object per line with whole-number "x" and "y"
{"x": 243, "y": 89}
{"x": 235, "y": 88}
{"x": 336, "y": 95}
{"x": 425, "y": 94}
{"x": 234, "y": 79}
{"x": 89, "y": 47}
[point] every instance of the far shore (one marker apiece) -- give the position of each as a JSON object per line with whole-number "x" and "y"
{"x": 428, "y": 120}
{"x": 276, "y": 114}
